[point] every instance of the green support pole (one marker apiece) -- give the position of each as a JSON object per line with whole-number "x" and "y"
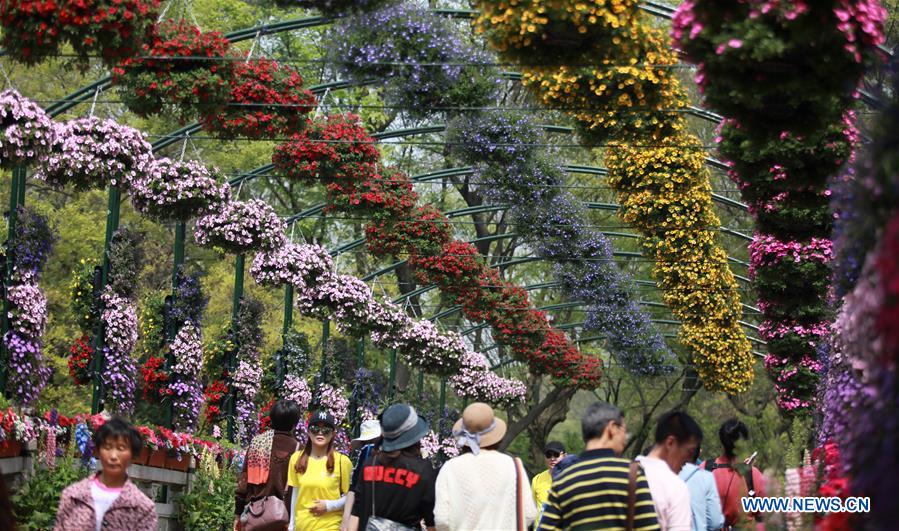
{"x": 112, "y": 224}
{"x": 280, "y": 363}
{"x": 7, "y": 273}
{"x": 170, "y": 333}
{"x": 180, "y": 237}
{"x": 391, "y": 382}
{"x": 288, "y": 310}
{"x": 360, "y": 354}
{"x": 239, "y": 266}
{"x": 326, "y": 337}
{"x": 20, "y": 192}
{"x": 421, "y": 386}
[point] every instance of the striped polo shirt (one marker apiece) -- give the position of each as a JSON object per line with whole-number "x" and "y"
{"x": 592, "y": 494}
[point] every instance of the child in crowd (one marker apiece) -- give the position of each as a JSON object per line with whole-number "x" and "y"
{"x": 108, "y": 500}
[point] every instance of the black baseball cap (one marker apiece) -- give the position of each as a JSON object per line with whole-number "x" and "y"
{"x": 554, "y": 446}
{"x": 322, "y": 417}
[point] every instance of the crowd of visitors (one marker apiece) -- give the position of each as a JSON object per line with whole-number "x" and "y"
{"x": 306, "y": 485}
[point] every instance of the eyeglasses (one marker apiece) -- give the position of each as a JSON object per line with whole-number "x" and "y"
{"x": 550, "y": 454}
{"x": 321, "y": 430}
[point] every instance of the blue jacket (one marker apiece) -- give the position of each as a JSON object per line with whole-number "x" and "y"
{"x": 704, "y": 501}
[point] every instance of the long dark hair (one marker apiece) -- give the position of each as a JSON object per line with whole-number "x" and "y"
{"x": 303, "y": 461}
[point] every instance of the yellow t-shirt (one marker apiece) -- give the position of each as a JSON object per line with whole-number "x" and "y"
{"x": 540, "y": 486}
{"x": 317, "y": 484}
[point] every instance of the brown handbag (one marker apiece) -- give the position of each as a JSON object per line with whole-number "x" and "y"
{"x": 268, "y": 514}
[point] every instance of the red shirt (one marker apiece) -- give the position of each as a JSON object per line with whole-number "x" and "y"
{"x": 731, "y": 487}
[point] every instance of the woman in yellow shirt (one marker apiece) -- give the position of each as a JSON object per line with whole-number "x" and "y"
{"x": 320, "y": 478}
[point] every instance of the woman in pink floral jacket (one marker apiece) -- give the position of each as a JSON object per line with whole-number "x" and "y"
{"x": 108, "y": 500}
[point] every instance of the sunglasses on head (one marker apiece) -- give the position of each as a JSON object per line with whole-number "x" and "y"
{"x": 551, "y": 454}
{"x": 320, "y": 430}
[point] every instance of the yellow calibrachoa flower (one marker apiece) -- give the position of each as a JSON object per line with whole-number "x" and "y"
{"x": 629, "y": 98}
{"x": 554, "y": 31}
{"x": 665, "y": 193}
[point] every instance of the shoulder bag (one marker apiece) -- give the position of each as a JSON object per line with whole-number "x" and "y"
{"x": 632, "y": 496}
{"x": 519, "y": 505}
{"x": 266, "y": 514}
{"x": 379, "y": 523}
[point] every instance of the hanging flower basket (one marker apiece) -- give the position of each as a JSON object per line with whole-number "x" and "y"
{"x": 334, "y": 149}
{"x": 267, "y": 101}
{"x": 541, "y": 32}
{"x": 182, "y": 66}
{"x": 241, "y": 227}
{"x": 429, "y": 349}
{"x": 26, "y": 132}
{"x": 31, "y": 30}
{"x": 297, "y": 265}
{"x": 91, "y": 153}
{"x": 80, "y": 360}
{"x": 787, "y": 65}
{"x": 112, "y": 29}
{"x": 178, "y": 191}
{"x": 437, "y": 71}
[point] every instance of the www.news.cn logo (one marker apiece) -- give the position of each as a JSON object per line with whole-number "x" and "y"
{"x": 806, "y": 505}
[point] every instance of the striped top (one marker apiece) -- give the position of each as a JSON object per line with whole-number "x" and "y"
{"x": 592, "y": 494}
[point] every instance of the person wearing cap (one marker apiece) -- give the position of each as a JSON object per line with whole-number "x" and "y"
{"x": 320, "y": 478}
{"x": 397, "y": 486}
{"x": 366, "y": 444}
{"x": 482, "y": 488}
{"x": 553, "y": 452}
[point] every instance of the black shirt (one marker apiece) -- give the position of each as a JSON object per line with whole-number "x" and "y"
{"x": 403, "y": 490}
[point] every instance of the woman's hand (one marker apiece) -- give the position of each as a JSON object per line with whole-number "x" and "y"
{"x": 318, "y": 508}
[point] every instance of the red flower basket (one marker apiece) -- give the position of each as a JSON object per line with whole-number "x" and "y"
{"x": 31, "y": 30}
{"x": 154, "y": 378}
{"x": 112, "y": 29}
{"x": 336, "y": 149}
{"x": 182, "y": 66}
{"x": 267, "y": 101}
{"x": 80, "y": 360}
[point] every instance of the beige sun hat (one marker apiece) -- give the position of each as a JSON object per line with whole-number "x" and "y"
{"x": 478, "y": 428}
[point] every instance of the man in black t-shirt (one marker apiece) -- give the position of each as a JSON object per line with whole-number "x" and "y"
{"x": 397, "y": 484}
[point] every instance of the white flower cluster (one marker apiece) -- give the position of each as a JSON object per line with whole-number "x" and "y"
{"x": 178, "y": 191}
{"x": 90, "y": 153}
{"x": 241, "y": 227}
{"x": 298, "y": 265}
{"x": 26, "y": 132}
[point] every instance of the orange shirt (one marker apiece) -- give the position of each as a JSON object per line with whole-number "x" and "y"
{"x": 731, "y": 487}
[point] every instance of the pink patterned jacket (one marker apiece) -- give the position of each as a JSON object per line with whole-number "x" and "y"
{"x": 132, "y": 510}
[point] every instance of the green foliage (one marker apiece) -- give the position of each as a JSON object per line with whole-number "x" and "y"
{"x": 36, "y": 502}
{"x": 210, "y": 503}
{"x": 126, "y": 258}
{"x": 84, "y": 304}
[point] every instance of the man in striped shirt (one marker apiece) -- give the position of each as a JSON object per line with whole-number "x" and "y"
{"x": 594, "y": 492}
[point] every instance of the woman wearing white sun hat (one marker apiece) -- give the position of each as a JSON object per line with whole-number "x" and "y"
{"x": 482, "y": 488}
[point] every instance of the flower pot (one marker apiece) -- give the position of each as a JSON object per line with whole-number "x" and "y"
{"x": 172, "y": 462}
{"x": 10, "y": 448}
{"x": 157, "y": 458}
{"x": 142, "y": 457}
